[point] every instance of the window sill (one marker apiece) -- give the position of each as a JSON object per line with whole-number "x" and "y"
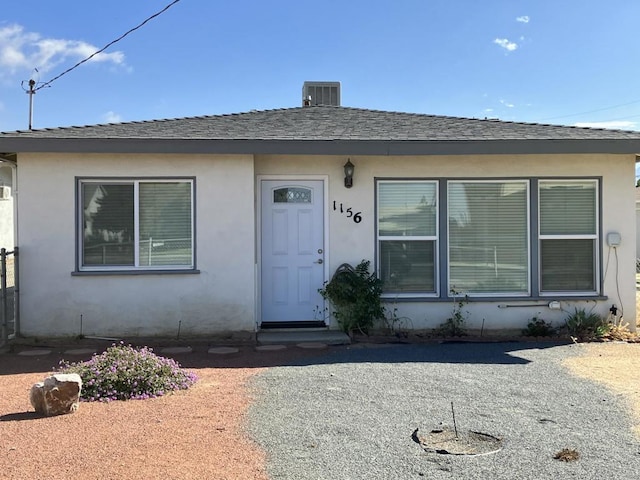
{"x": 518, "y": 301}
{"x": 96, "y": 273}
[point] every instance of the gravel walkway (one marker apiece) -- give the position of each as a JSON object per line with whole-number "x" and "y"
{"x": 349, "y": 414}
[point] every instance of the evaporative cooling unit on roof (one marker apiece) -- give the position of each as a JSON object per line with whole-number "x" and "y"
{"x": 321, "y": 93}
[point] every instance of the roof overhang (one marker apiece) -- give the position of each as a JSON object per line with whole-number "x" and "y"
{"x": 319, "y": 147}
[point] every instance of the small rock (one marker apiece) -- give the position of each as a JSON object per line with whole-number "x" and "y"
{"x": 57, "y": 395}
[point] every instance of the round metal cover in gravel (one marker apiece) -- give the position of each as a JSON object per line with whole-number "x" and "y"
{"x": 447, "y": 441}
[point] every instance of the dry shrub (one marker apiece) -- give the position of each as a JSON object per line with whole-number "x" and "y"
{"x": 618, "y": 330}
{"x": 589, "y": 326}
{"x": 567, "y": 455}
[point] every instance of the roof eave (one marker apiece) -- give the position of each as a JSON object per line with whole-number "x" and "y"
{"x": 321, "y": 147}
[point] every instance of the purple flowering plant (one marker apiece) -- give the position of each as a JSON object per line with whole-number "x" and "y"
{"x": 123, "y": 372}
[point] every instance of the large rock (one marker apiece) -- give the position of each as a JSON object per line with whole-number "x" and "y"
{"x": 58, "y": 394}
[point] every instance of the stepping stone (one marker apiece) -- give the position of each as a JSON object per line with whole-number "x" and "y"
{"x": 174, "y": 350}
{"x": 270, "y": 348}
{"x": 80, "y": 351}
{"x": 312, "y": 345}
{"x": 223, "y": 350}
{"x": 34, "y": 353}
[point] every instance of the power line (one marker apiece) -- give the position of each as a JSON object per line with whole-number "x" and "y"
{"x": 590, "y": 111}
{"x": 46, "y": 84}
{"x": 622, "y": 118}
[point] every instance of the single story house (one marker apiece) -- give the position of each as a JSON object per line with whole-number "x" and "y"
{"x": 231, "y": 223}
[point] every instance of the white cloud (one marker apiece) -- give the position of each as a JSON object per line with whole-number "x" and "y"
{"x": 523, "y": 19}
{"x": 506, "y": 44}
{"x": 112, "y": 117}
{"x": 24, "y": 51}
{"x": 615, "y": 124}
{"x": 507, "y": 104}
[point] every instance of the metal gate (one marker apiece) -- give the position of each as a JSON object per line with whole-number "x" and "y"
{"x": 9, "y": 293}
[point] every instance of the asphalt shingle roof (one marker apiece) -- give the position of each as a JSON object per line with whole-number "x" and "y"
{"x": 327, "y": 123}
{"x": 319, "y": 124}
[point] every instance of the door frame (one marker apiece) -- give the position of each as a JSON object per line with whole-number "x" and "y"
{"x": 325, "y": 220}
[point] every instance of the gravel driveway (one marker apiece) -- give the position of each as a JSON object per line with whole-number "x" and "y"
{"x": 350, "y": 413}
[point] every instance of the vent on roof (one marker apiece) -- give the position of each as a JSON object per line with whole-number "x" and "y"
{"x": 321, "y": 93}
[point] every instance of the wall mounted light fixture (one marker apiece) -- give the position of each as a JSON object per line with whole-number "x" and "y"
{"x": 348, "y": 174}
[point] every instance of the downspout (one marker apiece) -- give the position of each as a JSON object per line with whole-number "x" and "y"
{"x": 14, "y": 191}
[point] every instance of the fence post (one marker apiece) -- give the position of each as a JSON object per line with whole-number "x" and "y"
{"x": 16, "y": 292}
{"x": 3, "y": 300}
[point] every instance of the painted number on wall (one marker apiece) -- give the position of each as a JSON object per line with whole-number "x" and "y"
{"x": 356, "y": 216}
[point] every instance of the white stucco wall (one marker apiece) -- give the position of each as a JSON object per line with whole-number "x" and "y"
{"x": 350, "y": 242}
{"x": 637, "y": 222}
{"x": 220, "y": 298}
{"x": 6, "y": 210}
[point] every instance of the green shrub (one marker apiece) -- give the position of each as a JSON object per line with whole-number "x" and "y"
{"x": 537, "y": 327}
{"x": 355, "y": 295}
{"x": 123, "y": 372}
{"x": 586, "y": 326}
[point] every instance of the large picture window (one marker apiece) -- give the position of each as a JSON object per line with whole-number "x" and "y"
{"x": 488, "y": 237}
{"x": 497, "y": 238}
{"x": 136, "y": 224}
{"x": 407, "y": 235}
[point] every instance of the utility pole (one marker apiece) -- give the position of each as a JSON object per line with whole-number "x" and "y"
{"x": 31, "y": 92}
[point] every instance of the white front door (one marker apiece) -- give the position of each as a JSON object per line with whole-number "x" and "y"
{"x": 292, "y": 251}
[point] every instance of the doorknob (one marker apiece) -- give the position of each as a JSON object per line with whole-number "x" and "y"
{"x": 318, "y": 261}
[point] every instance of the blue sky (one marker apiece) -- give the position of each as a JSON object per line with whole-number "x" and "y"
{"x": 572, "y": 62}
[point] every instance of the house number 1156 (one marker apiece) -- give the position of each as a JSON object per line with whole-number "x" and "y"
{"x": 357, "y": 216}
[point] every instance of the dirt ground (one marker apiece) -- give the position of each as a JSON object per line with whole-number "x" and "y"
{"x": 193, "y": 434}
{"x": 616, "y": 365}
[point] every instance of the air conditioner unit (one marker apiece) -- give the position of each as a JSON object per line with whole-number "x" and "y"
{"x": 321, "y": 93}
{"x": 5, "y": 192}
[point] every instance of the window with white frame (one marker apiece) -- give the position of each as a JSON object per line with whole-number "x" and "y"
{"x": 497, "y": 238}
{"x": 136, "y": 224}
{"x": 568, "y": 235}
{"x": 488, "y": 241}
{"x": 407, "y": 236}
